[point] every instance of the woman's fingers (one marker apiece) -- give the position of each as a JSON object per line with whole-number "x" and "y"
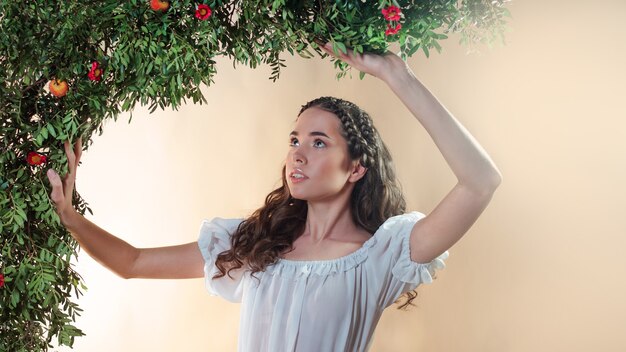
{"x": 73, "y": 155}
{"x": 71, "y": 158}
{"x": 340, "y": 54}
{"x": 62, "y": 188}
{"x": 328, "y": 48}
{"x": 78, "y": 150}
{"x": 68, "y": 186}
{"x": 56, "y": 195}
{"x": 349, "y": 57}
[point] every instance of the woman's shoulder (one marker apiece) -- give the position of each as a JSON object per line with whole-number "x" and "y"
{"x": 219, "y": 223}
{"x": 217, "y": 230}
{"x": 396, "y": 222}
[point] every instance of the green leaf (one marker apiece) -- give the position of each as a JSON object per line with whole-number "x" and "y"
{"x": 51, "y": 130}
{"x": 21, "y": 213}
{"x": 437, "y": 46}
{"x": 15, "y": 298}
{"x": 342, "y": 47}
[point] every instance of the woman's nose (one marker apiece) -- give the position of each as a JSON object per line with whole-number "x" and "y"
{"x": 298, "y": 158}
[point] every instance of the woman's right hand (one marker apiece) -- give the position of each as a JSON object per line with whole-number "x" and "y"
{"x": 62, "y": 189}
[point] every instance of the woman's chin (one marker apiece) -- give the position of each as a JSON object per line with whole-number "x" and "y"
{"x": 299, "y": 197}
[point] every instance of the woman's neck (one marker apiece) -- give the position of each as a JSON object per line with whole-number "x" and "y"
{"x": 329, "y": 221}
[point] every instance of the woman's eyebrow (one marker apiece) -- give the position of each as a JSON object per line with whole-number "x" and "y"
{"x": 314, "y": 133}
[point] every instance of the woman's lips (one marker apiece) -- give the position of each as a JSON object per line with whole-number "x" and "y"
{"x": 297, "y": 176}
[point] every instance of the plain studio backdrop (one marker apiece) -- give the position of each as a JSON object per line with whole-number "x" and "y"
{"x": 541, "y": 270}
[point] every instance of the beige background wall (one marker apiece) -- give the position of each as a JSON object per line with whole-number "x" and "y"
{"x": 542, "y": 270}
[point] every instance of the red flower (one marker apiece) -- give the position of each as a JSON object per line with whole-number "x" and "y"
{"x": 391, "y": 31}
{"x": 34, "y": 158}
{"x": 1, "y": 281}
{"x": 203, "y": 12}
{"x": 96, "y": 72}
{"x": 391, "y": 13}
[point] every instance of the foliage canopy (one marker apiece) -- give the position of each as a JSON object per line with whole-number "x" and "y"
{"x": 66, "y": 66}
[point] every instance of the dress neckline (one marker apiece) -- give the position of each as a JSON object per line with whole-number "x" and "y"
{"x": 297, "y": 269}
{"x": 368, "y": 243}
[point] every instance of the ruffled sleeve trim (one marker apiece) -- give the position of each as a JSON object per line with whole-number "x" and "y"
{"x": 215, "y": 238}
{"x": 412, "y": 272}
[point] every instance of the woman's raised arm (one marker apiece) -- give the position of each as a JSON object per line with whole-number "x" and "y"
{"x": 478, "y": 177}
{"x": 174, "y": 262}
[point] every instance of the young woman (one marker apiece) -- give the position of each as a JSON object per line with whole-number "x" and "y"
{"x": 333, "y": 246}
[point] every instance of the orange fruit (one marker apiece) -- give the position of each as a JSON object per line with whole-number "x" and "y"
{"x": 159, "y": 5}
{"x": 58, "y": 88}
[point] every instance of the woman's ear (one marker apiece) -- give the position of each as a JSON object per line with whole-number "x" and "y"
{"x": 357, "y": 172}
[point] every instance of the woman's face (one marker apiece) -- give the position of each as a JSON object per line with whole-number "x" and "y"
{"x": 318, "y": 166}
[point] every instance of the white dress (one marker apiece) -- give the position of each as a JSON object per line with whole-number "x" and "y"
{"x": 324, "y": 305}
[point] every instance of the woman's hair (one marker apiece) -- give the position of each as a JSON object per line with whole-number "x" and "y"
{"x": 261, "y": 238}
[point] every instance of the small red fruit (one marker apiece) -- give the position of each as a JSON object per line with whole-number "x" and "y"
{"x": 159, "y": 5}
{"x": 58, "y": 88}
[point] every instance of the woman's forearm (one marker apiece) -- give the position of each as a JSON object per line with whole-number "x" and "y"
{"x": 468, "y": 160}
{"x": 110, "y": 251}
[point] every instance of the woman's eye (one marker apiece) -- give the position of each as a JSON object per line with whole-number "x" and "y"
{"x": 319, "y": 144}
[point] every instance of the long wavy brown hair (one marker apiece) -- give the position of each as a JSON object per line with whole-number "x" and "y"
{"x": 272, "y": 229}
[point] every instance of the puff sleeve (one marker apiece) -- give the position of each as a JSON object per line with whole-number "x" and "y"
{"x": 394, "y": 251}
{"x": 215, "y": 237}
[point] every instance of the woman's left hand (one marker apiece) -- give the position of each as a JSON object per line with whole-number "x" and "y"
{"x": 376, "y": 65}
